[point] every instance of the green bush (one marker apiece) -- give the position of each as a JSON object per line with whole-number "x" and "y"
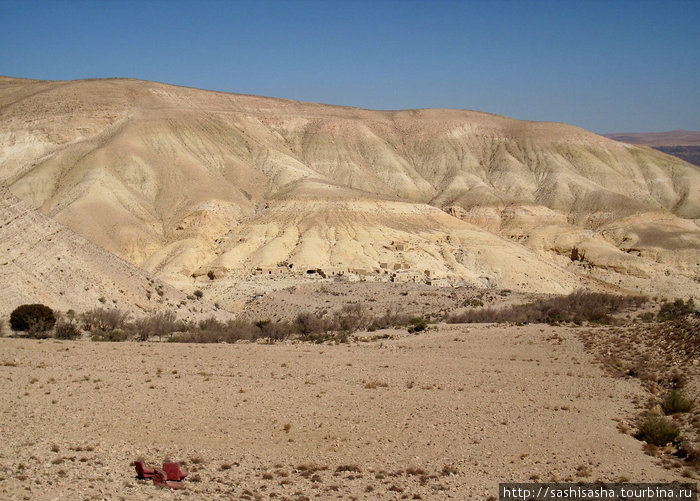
{"x": 35, "y": 318}
{"x": 657, "y": 430}
{"x": 675, "y": 402}
{"x": 678, "y": 308}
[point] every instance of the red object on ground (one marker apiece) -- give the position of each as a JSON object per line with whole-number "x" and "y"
{"x": 143, "y": 471}
{"x": 160, "y": 479}
{"x": 174, "y": 472}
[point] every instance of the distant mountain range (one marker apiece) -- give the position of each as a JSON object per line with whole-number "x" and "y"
{"x": 684, "y": 144}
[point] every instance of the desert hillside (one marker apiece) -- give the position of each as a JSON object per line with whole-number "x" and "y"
{"x": 42, "y": 261}
{"x": 185, "y": 182}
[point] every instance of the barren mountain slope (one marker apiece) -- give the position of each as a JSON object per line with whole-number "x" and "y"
{"x": 180, "y": 180}
{"x": 44, "y": 262}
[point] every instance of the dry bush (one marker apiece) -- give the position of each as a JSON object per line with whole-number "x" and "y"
{"x": 576, "y": 307}
{"x": 113, "y": 336}
{"x": 417, "y": 325}
{"x": 66, "y": 330}
{"x": 307, "y": 326}
{"x": 390, "y": 319}
{"x": 307, "y": 323}
{"x": 159, "y": 324}
{"x": 351, "y": 318}
{"x": 274, "y": 331}
{"x": 212, "y": 330}
{"x": 675, "y": 402}
{"x": 657, "y": 430}
{"x": 104, "y": 320}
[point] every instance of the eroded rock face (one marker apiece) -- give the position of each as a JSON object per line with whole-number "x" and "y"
{"x": 182, "y": 181}
{"x": 42, "y": 261}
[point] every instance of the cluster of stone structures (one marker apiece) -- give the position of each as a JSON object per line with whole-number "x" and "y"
{"x": 398, "y": 271}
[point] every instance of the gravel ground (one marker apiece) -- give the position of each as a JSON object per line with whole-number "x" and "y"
{"x": 446, "y": 414}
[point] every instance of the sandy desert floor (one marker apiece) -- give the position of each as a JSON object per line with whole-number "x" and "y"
{"x": 446, "y": 414}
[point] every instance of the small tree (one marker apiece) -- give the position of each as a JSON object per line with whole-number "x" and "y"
{"x": 36, "y": 318}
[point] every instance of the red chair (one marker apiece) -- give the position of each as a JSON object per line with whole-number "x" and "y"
{"x": 174, "y": 472}
{"x": 160, "y": 479}
{"x": 143, "y": 471}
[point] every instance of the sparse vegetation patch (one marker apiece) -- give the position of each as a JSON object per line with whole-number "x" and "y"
{"x": 577, "y": 307}
{"x": 657, "y": 430}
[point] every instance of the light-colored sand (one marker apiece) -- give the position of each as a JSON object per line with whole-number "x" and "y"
{"x": 496, "y": 403}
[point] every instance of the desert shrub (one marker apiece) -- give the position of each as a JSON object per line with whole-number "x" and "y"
{"x": 676, "y": 402}
{"x": 103, "y": 319}
{"x": 390, "y": 319}
{"x": 115, "y": 335}
{"x": 241, "y": 330}
{"x": 688, "y": 451}
{"x": 417, "y": 325}
{"x": 474, "y": 302}
{"x": 647, "y": 316}
{"x": 159, "y": 324}
{"x": 211, "y": 330}
{"x": 351, "y": 318}
{"x": 198, "y": 294}
{"x": 36, "y": 319}
{"x": 195, "y": 336}
{"x": 307, "y": 323}
{"x": 66, "y": 330}
{"x": 274, "y": 331}
{"x": 657, "y": 430}
{"x": 576, "y": 307}
{"x": 678, "y": 308}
